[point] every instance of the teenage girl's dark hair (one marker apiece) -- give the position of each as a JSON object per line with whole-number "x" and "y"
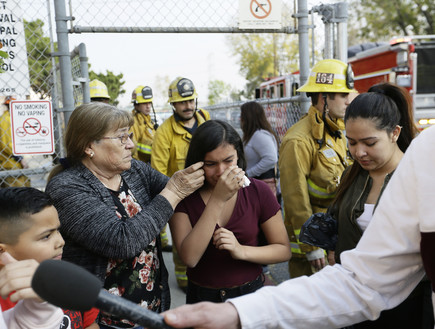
{"x": 253, "y": 118}
{"x": 388, "y": 106}
{"x": 209, "y": 136}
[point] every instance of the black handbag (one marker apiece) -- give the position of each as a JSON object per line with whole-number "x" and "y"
{"x": 320, "y": 230}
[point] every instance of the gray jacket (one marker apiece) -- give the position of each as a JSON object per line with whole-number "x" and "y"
{"x": 92, "y": 231}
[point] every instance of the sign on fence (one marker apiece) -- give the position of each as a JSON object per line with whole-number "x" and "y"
{"x": 15, "y": 80}
{"x": 32, "y": 127}
{"x": 260, "y": 14}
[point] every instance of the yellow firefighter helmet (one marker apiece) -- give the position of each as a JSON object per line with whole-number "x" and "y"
{"x": 181, "y": 89}
{"x": 98, "y": 89}
{"x": 329, "y": 76}
{"x": 142, "y": 94}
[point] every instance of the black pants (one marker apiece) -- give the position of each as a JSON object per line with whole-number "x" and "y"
{"x": 197, "y": 293}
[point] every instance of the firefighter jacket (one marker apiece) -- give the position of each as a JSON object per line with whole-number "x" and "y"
{"x": 143, "y": 135}
{"x": 171, "y": 143}
{"x": 311, "y": 162}
{"x": 350, "y": 208}
{"x": 7, "y": 160}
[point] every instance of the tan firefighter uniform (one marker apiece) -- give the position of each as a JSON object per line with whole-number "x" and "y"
{"x": 143, "y": 128}
{"x": 312, "y": 160}
{"x": 143, "y": 134}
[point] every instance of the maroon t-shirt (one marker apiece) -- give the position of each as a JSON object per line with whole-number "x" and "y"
{"x": 427, "y": 249}
{"x": 255, "y": 205}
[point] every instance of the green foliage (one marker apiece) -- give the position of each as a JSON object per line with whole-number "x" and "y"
{"x": 113, "y": 82}
{"x": 3, "y": 54}
{"x": 264, "y": 55}
{"x": 39, "y": 57}
{"x": 220, "y": 91}
{"x": 379, "y": 20}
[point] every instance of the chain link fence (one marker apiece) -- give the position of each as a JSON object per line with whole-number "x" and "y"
{"x": 67, "y": 86}
{"x": 282, "y": 113}
{"x": 27, "y": 32}
{"x": 164, "y": 16}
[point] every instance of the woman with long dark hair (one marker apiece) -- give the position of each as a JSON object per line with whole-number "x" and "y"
{"x": 260, "y": 144}
{"x": 379, "y": 129}
{"x": 216, "y": 229}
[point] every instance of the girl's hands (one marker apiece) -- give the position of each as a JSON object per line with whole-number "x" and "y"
{"x": 224, "y": 239}
{"x": 229, "y": 183}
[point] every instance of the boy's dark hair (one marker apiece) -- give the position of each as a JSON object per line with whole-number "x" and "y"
{"x": 209, "y": 136}
{"x": 16, "y": 205}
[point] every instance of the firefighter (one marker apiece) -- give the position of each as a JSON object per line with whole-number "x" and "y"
{"x": 312, "y": 157}
{"x": 98, "y": 91}
{"x": 172, "y": 139}
{"x": 144, "y": 127}
{"x": 9, "y": 161}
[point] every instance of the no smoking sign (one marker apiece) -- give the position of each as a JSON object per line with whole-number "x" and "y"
{"x": 32, "y": 127}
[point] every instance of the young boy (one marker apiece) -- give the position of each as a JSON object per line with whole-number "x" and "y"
{"x": 29, "y": 230}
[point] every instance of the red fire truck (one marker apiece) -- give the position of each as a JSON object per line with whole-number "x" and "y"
{"x": 281, "y": 115}
{"x": 408, "y": 62}
{"x": 283, "y": 86}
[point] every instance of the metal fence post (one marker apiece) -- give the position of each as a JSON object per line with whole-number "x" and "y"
{"x": 304, "y": 56}
{"x": 64, "y": 58}
{"x": 341, "y": 18}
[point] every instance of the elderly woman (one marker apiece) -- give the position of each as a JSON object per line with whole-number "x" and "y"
{"x": 112, "y": 207}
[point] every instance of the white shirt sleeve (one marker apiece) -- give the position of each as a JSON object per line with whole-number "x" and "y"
{"x": 2, "y": 321}
{"x": 32, "y": 314}
{"x": 378, "y": 274}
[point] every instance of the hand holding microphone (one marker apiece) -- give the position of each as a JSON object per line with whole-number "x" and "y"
{"x": 71, "y": 287}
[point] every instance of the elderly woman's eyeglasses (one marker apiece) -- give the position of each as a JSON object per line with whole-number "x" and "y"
{"x": 123, "y": 138}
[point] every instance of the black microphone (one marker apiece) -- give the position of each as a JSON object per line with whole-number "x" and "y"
{"x": 71, "y": 287}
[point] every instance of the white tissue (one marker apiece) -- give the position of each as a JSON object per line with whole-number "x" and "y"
{"x": 246, "y": 181}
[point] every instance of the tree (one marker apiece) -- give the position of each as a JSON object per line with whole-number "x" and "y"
{"x": 380, "y": 20}
{"x": 263, "y": 56}
{"x": 39, "y": 57}
{"x": 220, "y": 91}
{"x": 2, "y": 56}
{"x": 113, "y": 82}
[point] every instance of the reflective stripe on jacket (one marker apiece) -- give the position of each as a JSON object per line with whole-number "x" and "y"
{"x": 318, "y": 192}
{"x": 143, "y": 135}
